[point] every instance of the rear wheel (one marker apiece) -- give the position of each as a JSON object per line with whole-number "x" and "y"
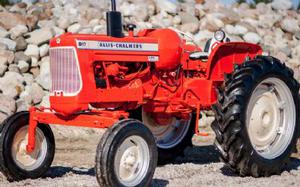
{"x": 257, "y": 117}
{"x": 15, "y": 162}
{"x": 172, "y": 135}
{"x": 126, "y": 155}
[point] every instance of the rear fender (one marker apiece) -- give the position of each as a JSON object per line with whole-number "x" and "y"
{"x": 226, "y": 55}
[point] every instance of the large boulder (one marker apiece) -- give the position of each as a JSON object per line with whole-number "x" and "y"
{"x": 12, "y": 84}
{"x": 167, "y": 6}
{"x": 9, "y": 20}
{"x": 282, "y": 4}
{"x": 8, "y": 104}
{"x": 44, "y": 77}
{"x": 39, "y": 36}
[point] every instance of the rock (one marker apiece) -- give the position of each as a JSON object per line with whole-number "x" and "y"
{"x": 252, "y": 37}
{"x": 11, "y": 84}
{"x": 35, "y": 71}
{"x": 86, "y": 31}
{"x": 99, "y": 29}
{"x": 202, "y": 36}
{"x": 2, "y": 117}
{"x": 22, "y": 105}
{"x": 236, "y": 30}
{"x": 6, "y": 57}
{"x": 45, "y": 101}
{"x": 136, "y": 10}
{"x": 297, "y": 35}
{"x": 21, "y": 44}
{"x": 23, "y": 66}
{"x": 31, "y": 21}
{"x": 34, "y": 62}
{"x": 33, "y": 94}
{"x": 39, "y": 36}
{"x": 17, "y": 31}
{"x": 44, "y": 77}
{"x": 190, "y": 27}
{"x": 268, "y": 20}
{"x": 8, "y": 104}
{"x": 28, "y": 2}
{"x": 44, "y": 49}
{"x": 282, "y": 4}
{"x": 13, "y": 68}
{"x": 32, "y": 51}
{"x": 28, "y": 78}
{"x": 36, "y": 93}
{"x": 228, "y": 16}
{"x": 94, "y": 22}
{"x": 11, "y": 45}
{"x": 3, "y": 33}
{"x": 167, "y": 6}
{"x": 188, "y": 18}
{"x": 214, "y": 21}
{"x": 10, "y": 20}
{"x": 20, "y": 56}
{"x": 58, "y": 31}
{"x": 205, "y": 120}
{"x": 46, "y": 23}
{"x": 290, "y": 25}
{"x": 63, "y": 23}
{"x": 75, "y": 28}
{"x": 3, "y": 68}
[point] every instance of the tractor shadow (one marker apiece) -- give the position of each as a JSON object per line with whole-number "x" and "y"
{"x": 199, "y": 155}
{"x": 60, "y": 171}
{"x": 294, "y": 164}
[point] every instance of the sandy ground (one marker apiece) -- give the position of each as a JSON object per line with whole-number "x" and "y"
{"x": 74, "y": 162}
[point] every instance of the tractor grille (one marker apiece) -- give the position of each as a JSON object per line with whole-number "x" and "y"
{"x": 65, "y": 73}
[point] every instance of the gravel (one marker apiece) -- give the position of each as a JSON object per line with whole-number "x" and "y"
{"x": 74, "y": 162}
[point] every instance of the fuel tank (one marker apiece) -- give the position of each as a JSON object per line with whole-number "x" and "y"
{"x": 170, "y": 47}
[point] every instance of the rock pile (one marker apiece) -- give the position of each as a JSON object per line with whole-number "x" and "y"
{"x": 26, "y": 28}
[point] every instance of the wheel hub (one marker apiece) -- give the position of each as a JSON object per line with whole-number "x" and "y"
{"x": 132, "y": 161}
{"x": 270, "y": 122}
{"x": 20, "y": 155}
{"x": 167, "y": 135}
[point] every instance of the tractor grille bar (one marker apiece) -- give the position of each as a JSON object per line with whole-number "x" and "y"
{"x": 65, "y": 73}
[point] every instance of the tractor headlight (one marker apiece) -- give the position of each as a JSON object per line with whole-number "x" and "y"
{"x": 219, "y": 35}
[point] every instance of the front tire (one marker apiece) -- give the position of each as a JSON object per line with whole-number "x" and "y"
{"x": 15, "y": 163}
{"x": 257, "y": 117}
{"x": 126, "y": 155}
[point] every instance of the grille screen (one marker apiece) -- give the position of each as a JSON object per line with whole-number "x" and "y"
{"x": 65, "y": 72}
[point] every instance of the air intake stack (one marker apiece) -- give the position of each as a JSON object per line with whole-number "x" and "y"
{"x": 114, "y": 22}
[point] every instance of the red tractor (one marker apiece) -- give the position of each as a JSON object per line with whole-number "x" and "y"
{"x": 148, "y": 89}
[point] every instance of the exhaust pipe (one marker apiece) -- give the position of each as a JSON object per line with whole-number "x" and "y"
{"x": 114, "y": 22}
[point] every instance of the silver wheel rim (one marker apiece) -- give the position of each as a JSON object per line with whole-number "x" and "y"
{"x": 167, "y": 136}
{"x": 271, "y": 118}
{"x": 132, "y": 161}
{"x": 20, "y": 156}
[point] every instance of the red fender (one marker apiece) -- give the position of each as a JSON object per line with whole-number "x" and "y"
{"x": 226, "y": 55}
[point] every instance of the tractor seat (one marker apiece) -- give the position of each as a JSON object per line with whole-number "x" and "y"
{"x": 201, "y": 55}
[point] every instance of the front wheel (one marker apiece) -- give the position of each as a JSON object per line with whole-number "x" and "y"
{"x": 15, "y": 163}
{"x": 126, "y": 155}
{"x": 257, "y": 117}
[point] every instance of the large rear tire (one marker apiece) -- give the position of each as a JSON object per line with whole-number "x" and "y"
{"x": 126, "y": 155}
{"x": 257, "y": 117}
{"x": 172, "y": 138}
{"x": 15, "y": 163}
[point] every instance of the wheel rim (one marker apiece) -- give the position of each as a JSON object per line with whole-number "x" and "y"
{"x": 132, "y": 161}
{"x": 20, "y": 156}
{"x": 167, "y": 136}
{"x": 271, "y": 118}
